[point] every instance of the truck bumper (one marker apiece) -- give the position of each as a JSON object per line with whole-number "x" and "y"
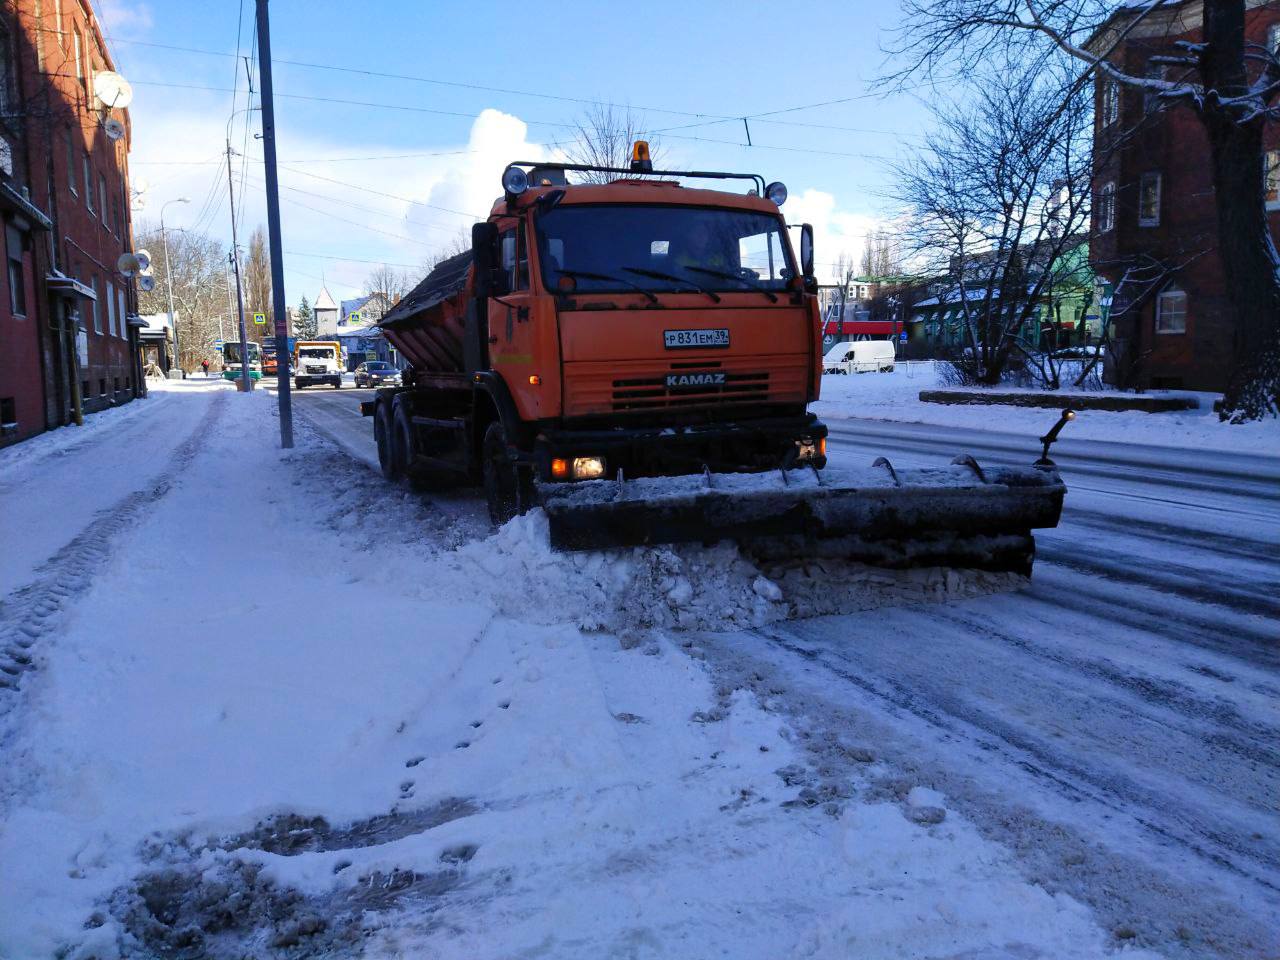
{"x": 743, "y": 446}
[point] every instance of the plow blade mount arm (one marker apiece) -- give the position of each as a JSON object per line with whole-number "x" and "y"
{"x": 959, "y": 515}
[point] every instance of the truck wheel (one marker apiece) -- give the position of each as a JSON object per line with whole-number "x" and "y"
{"x": 337, "y": 384}
{"x": 507, "y": 488}
{"x": 297, "y": 384}
{"x": 391, "y": 464}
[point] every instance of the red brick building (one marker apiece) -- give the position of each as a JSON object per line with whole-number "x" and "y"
{"x": 1154, "y": 197}
{"x": 66, "y": 341}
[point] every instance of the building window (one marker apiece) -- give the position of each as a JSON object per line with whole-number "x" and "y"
{"x": 57, "y": 23}
{"x": 1273, "y": 39}
{"x": 1271, "y": 187}
{"x": 17, "y": 275}
{"x": 71, "y": 164}
{"x": 111, "y": 309}
{"x": 97, "y": 314}
{"x": 1107, "y": 207}
{"x": 102, "y": 386}
{"x": 1149, "y": 200}
{"x": 120, "y": 312}
{"x": 1110, "y": 102}
{"x": 88, "y": 182}
{"x": 1151, "y": 101}
{"x": 1171, "y": 311}
{"x": 102, "y": 199}
{"x": 77, "y": 43}
{"x": 6, "y": 71}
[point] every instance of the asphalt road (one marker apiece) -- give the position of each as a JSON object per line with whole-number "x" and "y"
{"x": 1114, "y": 723}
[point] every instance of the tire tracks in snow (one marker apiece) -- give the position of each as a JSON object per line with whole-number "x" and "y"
{"x": 1071, "y": 779}
{"x": 31, "y": 613}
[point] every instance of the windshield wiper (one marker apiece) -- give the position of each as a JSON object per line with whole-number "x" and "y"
{"x": 588, "y": 275}
{"x": 754, "y": 284}
{"x": 659, "y": 275}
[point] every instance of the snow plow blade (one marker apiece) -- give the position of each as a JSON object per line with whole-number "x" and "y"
{"x": 957, "y": 516}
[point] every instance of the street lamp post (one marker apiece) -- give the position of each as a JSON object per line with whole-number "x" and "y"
{"x": 168, "y": 278}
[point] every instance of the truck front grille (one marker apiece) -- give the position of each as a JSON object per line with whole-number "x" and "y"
{"x": 652, "y": 392}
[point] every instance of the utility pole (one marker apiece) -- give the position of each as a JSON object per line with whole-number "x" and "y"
{"x": 168, "y": 278}
{"x": 273, "y": 227}
{"x": 247, "y": 381}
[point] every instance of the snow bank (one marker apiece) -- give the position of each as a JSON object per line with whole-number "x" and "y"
{"x": 895, "y": 396}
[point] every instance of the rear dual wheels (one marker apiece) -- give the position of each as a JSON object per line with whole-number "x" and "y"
{"x": 508, "y": 487}
{"x": 390, "y": 458}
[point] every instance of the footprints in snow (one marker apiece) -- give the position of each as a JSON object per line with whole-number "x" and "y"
{"x": 406, "y": 788}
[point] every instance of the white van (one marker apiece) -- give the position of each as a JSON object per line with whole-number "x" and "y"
{"x": 861, "y": 356}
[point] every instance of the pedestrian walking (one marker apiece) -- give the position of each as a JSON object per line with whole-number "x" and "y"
{"x": 204, "y": 365}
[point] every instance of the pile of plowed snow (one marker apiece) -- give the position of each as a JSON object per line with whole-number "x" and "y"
{"x": 685, "y": 587}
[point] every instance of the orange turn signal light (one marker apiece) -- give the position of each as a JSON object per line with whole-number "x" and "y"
{"x": 822, "y": 447}
{"x": 559, "y": 468}
{"x": 534, "y": 379}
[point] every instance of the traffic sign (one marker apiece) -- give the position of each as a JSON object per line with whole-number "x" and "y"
{"x": 260, "y": 319}
{"x": 903, "y": 336}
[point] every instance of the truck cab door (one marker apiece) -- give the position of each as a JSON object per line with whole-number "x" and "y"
{"x": 511, "y": 337}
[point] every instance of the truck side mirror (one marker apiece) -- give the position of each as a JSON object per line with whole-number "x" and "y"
{"x": 490, "y": 280}
{"x": 806, "y": 256}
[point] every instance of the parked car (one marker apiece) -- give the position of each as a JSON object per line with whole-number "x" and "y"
{"x": 1083, "y": 352}
{"x": 377, "y": 373}
{"x": 860, "y": 356}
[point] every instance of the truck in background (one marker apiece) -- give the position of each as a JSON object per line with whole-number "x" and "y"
{"x": 317, "y": 361}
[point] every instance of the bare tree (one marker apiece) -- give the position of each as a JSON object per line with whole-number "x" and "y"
{"x": 882, "y": 255}
{"x": 1232, "y": 86}
{"x": 390, "y": 283}
{"x": 995, "y": 198}
{"x": 198, "y": 264}
{"x": 257, "y": 285}
{"x": 603, "y": 136}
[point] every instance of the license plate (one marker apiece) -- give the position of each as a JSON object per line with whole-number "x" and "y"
{"x": 695, "y": 380}
{"x": 677, "y": 339}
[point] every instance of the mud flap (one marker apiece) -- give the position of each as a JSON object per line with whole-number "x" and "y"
{"x": 959, "y": 515}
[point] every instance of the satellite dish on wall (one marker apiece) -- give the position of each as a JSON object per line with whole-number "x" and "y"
{"x": 146, "y": 283}
{"x": 112, "y": 90}
{"x": 144, "y": 260}
{"x": 114, "y": 129}
{"x": 128, "y": 264}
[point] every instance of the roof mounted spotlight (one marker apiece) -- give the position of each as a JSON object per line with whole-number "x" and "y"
{"x": 514, "y": 181}
{"x": 641, "y": 162}
{"x": 777, "y": 192}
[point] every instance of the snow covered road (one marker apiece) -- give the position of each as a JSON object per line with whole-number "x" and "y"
{"x": 453, "y": 743}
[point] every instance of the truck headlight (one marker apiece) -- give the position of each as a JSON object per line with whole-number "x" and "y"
{"x": 777, "y": 192}
{"x": 588, "y": 468}
{"x": 515, "y": 181}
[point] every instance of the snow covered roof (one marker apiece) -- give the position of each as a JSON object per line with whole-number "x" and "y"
{"x": 154, "y": 321}
{"x": 324, "y": 300}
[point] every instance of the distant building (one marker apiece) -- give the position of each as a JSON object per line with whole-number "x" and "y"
{"x": 325, "y": 310}
{"x": 1154, "y": 199}
{"x": 68, "y": 326}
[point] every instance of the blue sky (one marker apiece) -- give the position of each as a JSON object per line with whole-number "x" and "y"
{"x": 377, "y": 184}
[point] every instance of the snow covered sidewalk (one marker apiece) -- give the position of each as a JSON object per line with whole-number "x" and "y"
{"x": 331, "y": 718}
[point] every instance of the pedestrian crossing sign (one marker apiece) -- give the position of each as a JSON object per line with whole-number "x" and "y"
{"x": 260, "y": 319}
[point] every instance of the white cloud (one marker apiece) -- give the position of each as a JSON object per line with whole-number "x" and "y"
{"x": 125, "y": 20}
{"x": 835, "y": 232}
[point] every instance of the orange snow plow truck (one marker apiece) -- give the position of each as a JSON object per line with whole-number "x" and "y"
{"x": 637, "y": 357}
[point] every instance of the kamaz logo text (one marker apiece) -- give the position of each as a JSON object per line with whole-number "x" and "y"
{"x": 692, "y": 381}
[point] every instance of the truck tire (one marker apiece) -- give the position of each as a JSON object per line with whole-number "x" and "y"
{"x": 402, "y": 445}
{"x": 337, "y": 384}
{"x": 389, "y": 462}
{"x": 508, "y": 489}
{"x": 297, "y": 384}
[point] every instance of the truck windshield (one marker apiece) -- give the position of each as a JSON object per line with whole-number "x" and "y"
{"x": 663, "y": 248}
{"x": 316, "y": 353}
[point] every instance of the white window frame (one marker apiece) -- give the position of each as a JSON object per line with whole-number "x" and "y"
{"x": 1110, "y": 102}
{"x": 88, "y": 182}
{"x": 1152, "y": 221}
{"x": 97, "y": 314}
{"x": 111, "y": 309}
{"x": 1170, "y": 292}
{"x": 1271, "y": 171}
{"x": 120, "y": 312}
{"x": 1107, "y": 207}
